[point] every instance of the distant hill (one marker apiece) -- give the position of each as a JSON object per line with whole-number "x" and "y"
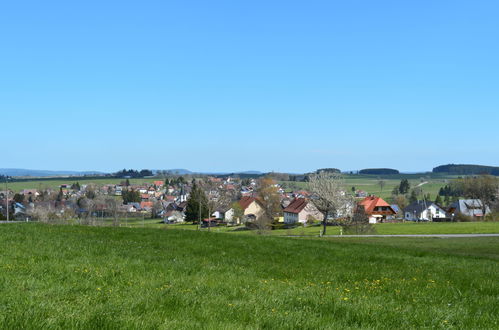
{"x": 44, "y": 173}
{"x": 379, "y": 171}
{"x": 466, "y": 169}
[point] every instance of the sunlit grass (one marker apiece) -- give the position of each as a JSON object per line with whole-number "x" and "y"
{"x": 95, "y": 277}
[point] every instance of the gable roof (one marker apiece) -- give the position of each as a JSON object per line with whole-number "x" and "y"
{"x": 296, "y": 206}
{"x": 371, "y": 202}
{"x": 419, "y": 207}
{"x": 246, "y": 201}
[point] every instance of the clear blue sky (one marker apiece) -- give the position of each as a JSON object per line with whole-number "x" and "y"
{"x": 240, "y": 85}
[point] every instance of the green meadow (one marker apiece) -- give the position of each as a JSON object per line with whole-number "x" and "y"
{"x": 63, "y": 276}
{"x": 56, "y": 183}
{"x": 430, "y": 183}
{"x": 368, "y": 183}
{"x": 402, "y": 228}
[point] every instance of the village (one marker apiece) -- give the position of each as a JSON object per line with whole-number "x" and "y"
{"x": 225, "y": 201}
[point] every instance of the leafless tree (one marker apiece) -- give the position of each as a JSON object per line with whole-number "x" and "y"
{"x": 359, "y": 224}
{"x": 328, "y": 195}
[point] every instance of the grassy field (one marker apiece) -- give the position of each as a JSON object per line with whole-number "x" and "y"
{"x": 369, "y": 183}
{"x": 407, "y": 228}
{"x": 97, "y": 277}
{"x": 56, "y": 183}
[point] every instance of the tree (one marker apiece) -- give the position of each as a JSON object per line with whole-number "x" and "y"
{"x": 381, "y": 183}
{"x": 413, "y": 197}
{"x": 60, "y": 195}
{"x": 404, "y": 186}
{"x": 328, "y": 195}
{"x": 483, "y": 187}
{"x": 197, "y": 205}
{"x": 130, "y": 196}
{"x": 438, "y": 200}
{"x": 18, "y": 198}
{"x": 446, "y": 200}
{"x": 359, "y": 224}
{"x": 238, "y": 213}
{"x": 270, "y": 201}
{"x": 90, "y": 194}
{"x": 400, "y": 200}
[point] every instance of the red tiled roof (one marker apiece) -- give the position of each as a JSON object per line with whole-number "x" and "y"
{"x": 246, "y": 201}
{"x": 159, "y": 183}
{"x": 370, "y": 202}
{"x": 144, "y": 196}
{"x": 296, "y": 206}
{"x": 146, "y": 204}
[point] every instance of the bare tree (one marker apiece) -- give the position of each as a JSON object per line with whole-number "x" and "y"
{"x": 112, "y": 209}
{"x": 359, "y": 224}
{"x": 328, "y": 195}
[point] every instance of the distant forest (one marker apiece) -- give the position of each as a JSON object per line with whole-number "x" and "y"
{"x": 379, "y": 171}
{"x": 466, "y": 169}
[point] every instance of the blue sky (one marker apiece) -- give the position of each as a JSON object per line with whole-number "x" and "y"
{"x": 239, "y": 85}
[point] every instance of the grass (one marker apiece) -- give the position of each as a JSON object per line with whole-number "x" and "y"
{"x": 369, "y": 183}
{"x": 406, "y": 228}
{"x": 56, "y": 183}
{"x": 100, "y": 277}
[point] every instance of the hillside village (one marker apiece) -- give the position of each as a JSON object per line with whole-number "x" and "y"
{"x": 228, "y": 200}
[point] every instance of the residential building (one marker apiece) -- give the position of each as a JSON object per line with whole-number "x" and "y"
{"x": 251, "y": 207}
{"x": 424, "y": 211}
{"x": 468, "y": 207}
{"x": 301, "y": 210}
{"x": 376, "y": 209}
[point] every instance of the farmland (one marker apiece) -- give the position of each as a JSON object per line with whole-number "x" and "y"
{"x": 98, "y": 277}
{"x": 407, "y": 228}
{"x": 429, "y": 183}
{"x": 55, "y": 183}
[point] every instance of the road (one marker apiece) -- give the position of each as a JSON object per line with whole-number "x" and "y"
{"x": 428, "y": 235}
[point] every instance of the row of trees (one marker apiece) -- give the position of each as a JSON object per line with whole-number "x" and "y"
{"x": 133, "y": 173}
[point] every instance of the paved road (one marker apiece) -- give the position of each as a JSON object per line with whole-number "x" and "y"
{"x": 432, "y": 235}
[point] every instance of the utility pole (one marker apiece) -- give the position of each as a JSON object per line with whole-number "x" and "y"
{"x": 7, "y": 198}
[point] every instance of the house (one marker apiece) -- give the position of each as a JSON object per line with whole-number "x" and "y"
{"x": 226, "y": 214}
{"x": 147, "y": 206}
{"x": 127, "y": 208}
{"x": 135, "y": 205}
{"x": 424, "y": 211}
{"x": 361, "y": 193}
{"x": 300, "y": 210}
{"x": 376, "y": 209}
{"x": 251, "y": 207}
{"x": 173, "y": 217}
{"x": 468, "y": 207}
{"x": 158, "y": 184}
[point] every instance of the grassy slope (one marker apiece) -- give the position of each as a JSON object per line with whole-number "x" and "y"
{"x": 90, "y": 277}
